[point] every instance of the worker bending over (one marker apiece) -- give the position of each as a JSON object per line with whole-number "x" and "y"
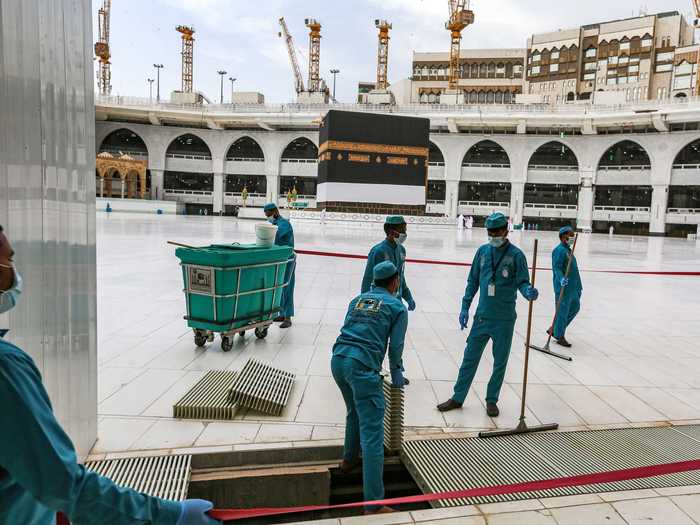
{"x": 498, "y": 271}
{"x": 374, "y": 319}
{"x": 284, "y": 237}
{"x": 571, "y": 299}
{"x": 391, "y": 249}
{"x": 39, "y": 470}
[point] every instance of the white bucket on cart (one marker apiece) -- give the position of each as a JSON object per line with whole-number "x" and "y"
{"x": 265, "y": 234}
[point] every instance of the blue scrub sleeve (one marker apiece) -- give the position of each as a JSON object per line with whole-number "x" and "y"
{"x": 369, "y": 271}
{"x": 559, "y": 262}
{"x": 40, "y": 457}
{"x": 396, "y": 340}
{"x": 406, "y": 293}
{"x": 522, "y": 274}
{"x": 472, "y": 282}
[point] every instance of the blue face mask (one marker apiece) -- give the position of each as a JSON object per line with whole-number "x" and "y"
{"x": 496, "y": 242}
{"x": 10, "y": 298}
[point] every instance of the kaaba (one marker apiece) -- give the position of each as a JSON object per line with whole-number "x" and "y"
{"x": 372, "y": 163}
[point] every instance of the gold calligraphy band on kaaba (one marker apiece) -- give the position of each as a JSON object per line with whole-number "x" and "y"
{"x": 362, "y": 147}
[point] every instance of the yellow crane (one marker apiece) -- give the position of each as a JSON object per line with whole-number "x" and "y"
{"x": 314, "y": 54}
{"x": 104, "y": 72}
{"x": 383, "y": 54}
{"x": 187, "y": 33}
{"x": 460, "y": 17}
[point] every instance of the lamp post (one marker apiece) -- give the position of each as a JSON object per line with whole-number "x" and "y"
{"x": 232, "y": 81}
{"x": 221, "y": 74}
{"x": 150, "y": 89}
{"x": 334, "y": 72}
{"x": 158, "y": 68}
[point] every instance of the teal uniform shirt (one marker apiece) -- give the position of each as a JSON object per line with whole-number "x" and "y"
{"x": 39, "y": 472}
{"x": 285, "y": 237}
{"x": 510, "y": 275}
{"x": 285, "y": 232}
{"x": 387, "y": 251}
{"x": 374, "y": 320}
{"x": 560, "y": 260}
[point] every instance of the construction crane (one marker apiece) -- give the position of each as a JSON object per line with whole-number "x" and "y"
{"x": 383, "y": 54}
{"x": 298, "y": 80}
{"x": 104, "y": 72}
{"x": 460, "y": 17}
{"x": 314, "y": 55}
{"x": 187, "y": 55}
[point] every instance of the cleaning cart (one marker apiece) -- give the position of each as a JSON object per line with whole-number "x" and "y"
{"x": 232, "y": 288}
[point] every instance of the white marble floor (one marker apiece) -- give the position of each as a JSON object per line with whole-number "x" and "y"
{"x": 635, "y": 341}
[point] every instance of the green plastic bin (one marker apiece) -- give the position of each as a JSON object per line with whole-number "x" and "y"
{"x": 231, "y": 286}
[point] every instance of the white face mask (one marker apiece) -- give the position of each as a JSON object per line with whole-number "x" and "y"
{"x": 402, "y": 238}
{"x": 10, "y": 298}
{"x": 570, "y": 242}
{"x": 496, "y": 242}
{"x": 271, "y": 220}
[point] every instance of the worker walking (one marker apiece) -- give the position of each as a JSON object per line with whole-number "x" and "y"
{"x": 373, "y": 320}
{"x": 391, "y": 249}
{"x": 284, "y": 237}
{"x": 498, "y": 271}
{"x": 571, "y": 298}
{"x": 39, "y": 471}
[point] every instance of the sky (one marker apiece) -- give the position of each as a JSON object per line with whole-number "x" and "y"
{"x": 241, "y": 37}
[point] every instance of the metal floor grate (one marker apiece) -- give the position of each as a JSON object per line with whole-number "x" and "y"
{"x": 453, "y": 464}
{"x": 262, "y": 387}
{"x": 208, "y": 398}
{"x": 166, "y": 477}
{"x": 393, "y": 417}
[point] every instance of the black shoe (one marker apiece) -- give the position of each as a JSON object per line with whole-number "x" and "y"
{"x": 406, "y": 381}
{"x": 492, "y": 409}
{"x": 286, "y": 323}
{"x": 563, "y": 342}
{"x": 348, "y": 466}
{"x": 448, "y": 405}
{"x": 279, "y": 319}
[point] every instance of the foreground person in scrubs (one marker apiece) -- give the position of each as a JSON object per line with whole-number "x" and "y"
{"x": 39, "y": 471}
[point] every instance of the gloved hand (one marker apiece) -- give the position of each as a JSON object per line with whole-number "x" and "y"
{"x": 564, "y": 281}
{"x": 531, "y": 294}
{"x": 194, "y": 512}
{"x": 397, "y": 379}
{"x": 411, "y": 305}
{"x": 463, "y": 319}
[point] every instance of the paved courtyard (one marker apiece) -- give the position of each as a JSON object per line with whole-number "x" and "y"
{"x": 635, "y": 340}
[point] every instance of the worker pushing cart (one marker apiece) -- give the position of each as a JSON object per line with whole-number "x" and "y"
{"x": 284, "y": 237}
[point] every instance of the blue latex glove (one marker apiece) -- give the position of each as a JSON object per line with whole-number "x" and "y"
{"x": 463, "y": 319}
{"x": 564, "y": 281}
{"x": 531, "y": 294}
{"x": 397, "y": 379}
{"x": 194, "y": 512}
{"x": 411, "y": 305}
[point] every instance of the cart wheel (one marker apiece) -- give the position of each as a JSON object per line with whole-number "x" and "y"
{"x": 200, "y": 339}
{"x": 226, "y": 343}
{"x": 261, "y": 333}
{"x": 242, "y": 332}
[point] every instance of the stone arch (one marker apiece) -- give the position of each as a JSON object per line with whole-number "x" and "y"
{"x": 689, "y": 153}
{"x": 300, "y": 148}
{"x": 189, "y": 144}
{"x": 124, "y": 140}
{"x": 554, "y": 153}
{"x": 435, "y": 155}
{"x": 625, "y": 153}
{"x": 486, "y": 152}
{"x": 245, "y": 147}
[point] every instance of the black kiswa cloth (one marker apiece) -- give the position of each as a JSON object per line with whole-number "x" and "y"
{"x": 373, "y": 128}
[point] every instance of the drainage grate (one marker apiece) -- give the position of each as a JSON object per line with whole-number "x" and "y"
{"x": 454, "y": 464}
{"x": 166, "y": 477}
{"x": 262, "y": 387}
{"x": 393, "y": 417}
{"x": 208, "y": 398}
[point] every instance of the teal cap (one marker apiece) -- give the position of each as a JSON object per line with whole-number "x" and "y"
{"x": 270, "y": 206}
{"x": 395, "y": 220}
{"x": 384, "y": 270}
{"x": 565, "y": 229}
{"x": 496, "y": 221}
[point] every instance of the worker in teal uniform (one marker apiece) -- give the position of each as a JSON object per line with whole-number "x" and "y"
{"x": 39, "y": 472}
{"x": 498, "y": 271}
{"x": 391, "y": 249}
{"x": 374, "y": 319}
{"x": 571, "y": 299}
{"x": 284, "y": 237}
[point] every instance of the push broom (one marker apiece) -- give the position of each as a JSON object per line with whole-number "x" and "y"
{"x": 522, "y": 427}
{"x": 545, "y": 349}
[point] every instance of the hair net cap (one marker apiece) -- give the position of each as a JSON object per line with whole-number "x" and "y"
{"x": 395, "y": 220}
{"x": 565, "y": 229}
{"x": 384, "y": 270}
{"x": 270, "y": 206}
{"x": 496, "y": 221}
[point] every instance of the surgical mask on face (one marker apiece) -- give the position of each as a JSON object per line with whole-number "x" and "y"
{"x": 10, "y": 298}
{"x": 271, "y": 220}
{"x": 570, "y": 242}
{"x": 402, "y": 238}
{"x": 496, "y": 242}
